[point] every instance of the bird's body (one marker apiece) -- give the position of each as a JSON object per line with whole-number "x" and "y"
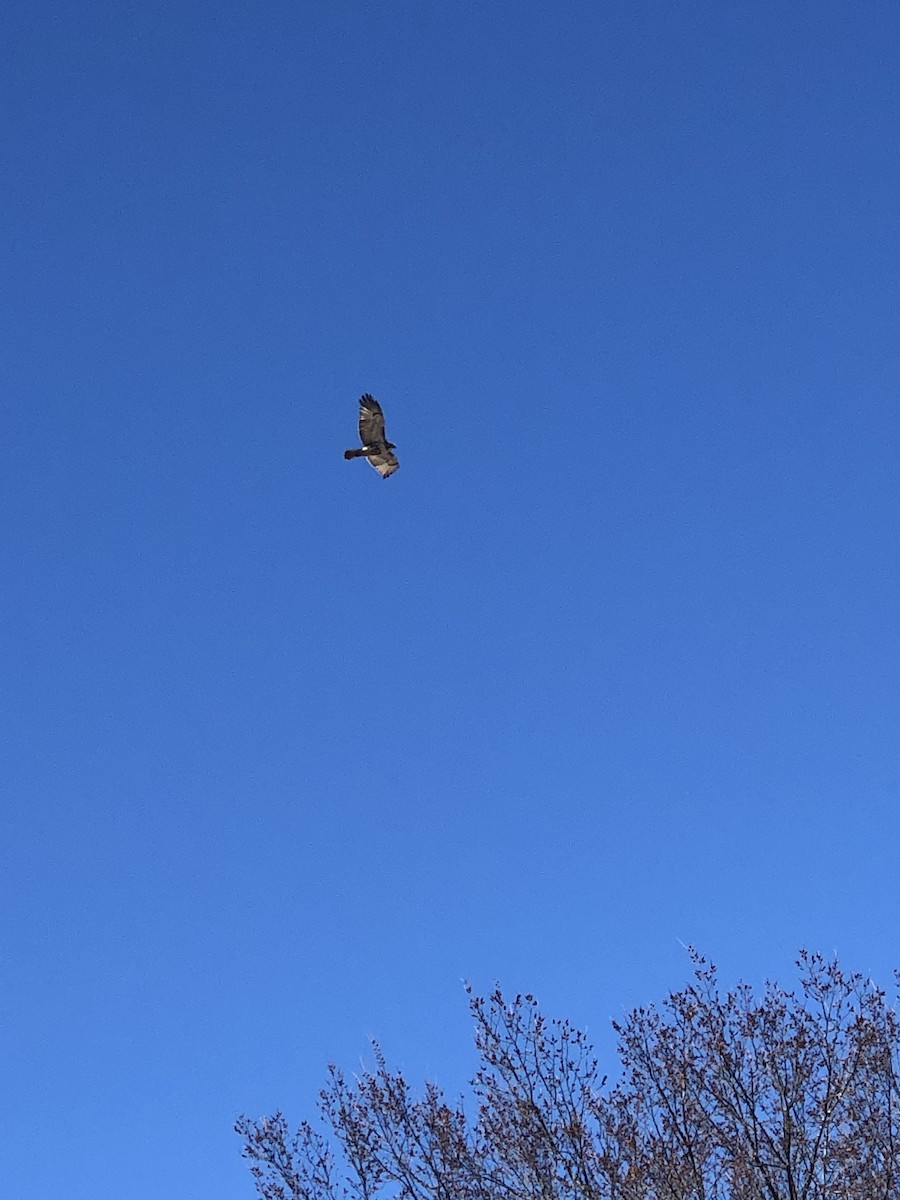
{"x": 375, "y": 446}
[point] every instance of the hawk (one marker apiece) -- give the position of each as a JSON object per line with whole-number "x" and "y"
{"x": 375, "y": 446}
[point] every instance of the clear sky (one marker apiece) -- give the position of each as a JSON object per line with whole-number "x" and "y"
{"x": 610, "y": 664}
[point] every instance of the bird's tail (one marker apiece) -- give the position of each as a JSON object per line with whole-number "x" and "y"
{"x": 354, "y": 453}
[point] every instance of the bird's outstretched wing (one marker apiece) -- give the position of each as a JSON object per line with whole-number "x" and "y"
{"x": 384, "y": 461}
{"x": 371, "y": 421}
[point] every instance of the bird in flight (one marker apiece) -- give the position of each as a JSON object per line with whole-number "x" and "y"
{"x": 375, "y": 446}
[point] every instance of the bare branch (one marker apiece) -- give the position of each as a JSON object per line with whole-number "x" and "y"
{"x": 719, "y": 1096}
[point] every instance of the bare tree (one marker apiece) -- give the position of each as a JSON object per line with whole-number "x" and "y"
{"x": 719, "y": 1096}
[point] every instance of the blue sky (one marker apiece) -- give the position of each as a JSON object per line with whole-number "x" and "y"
{"x": 611, "y": 664}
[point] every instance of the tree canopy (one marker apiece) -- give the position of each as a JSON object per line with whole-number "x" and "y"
{"x": 717, "y": 1095}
